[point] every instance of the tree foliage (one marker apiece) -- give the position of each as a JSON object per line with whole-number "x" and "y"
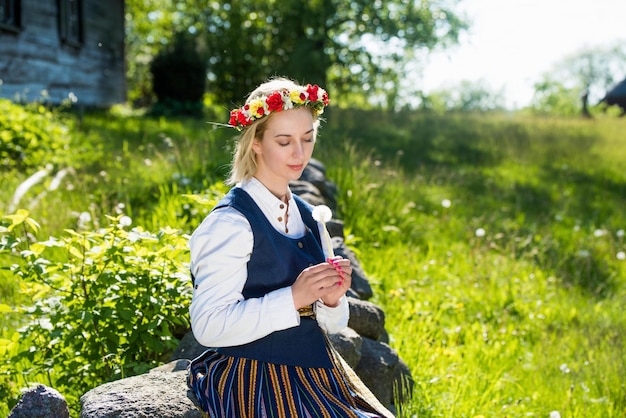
{"x": 349, "y": 46}
{"x": 591, "y": 72}
{"x": 179, "y": 76}
{"x": 465, "y": 96}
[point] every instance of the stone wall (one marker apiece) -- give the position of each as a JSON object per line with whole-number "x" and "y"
{"x": 163, "y": 393}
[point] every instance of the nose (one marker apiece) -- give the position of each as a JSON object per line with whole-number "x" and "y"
{"x": 298, "y": 149}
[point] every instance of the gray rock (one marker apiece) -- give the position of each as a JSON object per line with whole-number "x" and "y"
{"x": 366, "y": 319}
{"x": 335, "y": 229}
{"x": 348, "y": 344}
{"x": 360, "y": 283}
{"x": 40, "y": 402}
{"x": 188, "y": 348}
{"x": 307, "y": 191}
{"x": 162, "y": 393}
{"x": 377, "y": 368}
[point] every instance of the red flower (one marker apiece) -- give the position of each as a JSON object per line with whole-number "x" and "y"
{"x": 325, "y": 99}
{"x": 241, "y": 118}
{"x": 312, "y": 90}
{"x": 274, "y": 102}
{"x": 233, "y": 117}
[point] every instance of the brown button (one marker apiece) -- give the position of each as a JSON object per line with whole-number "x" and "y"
{"x": 282, "y": 206}
{"x": 280, "y": 219}
{"x": 300, "y": 245}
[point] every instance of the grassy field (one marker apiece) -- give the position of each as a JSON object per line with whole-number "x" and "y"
{"x": 494, "y": 243}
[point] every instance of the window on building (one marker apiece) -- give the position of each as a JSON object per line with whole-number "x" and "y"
{"x": 10, "y": 14}
{"x": 71, "y": 21}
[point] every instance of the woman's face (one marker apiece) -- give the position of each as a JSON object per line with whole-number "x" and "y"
{"x": 286, "y": 148}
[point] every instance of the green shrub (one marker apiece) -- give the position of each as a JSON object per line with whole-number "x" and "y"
{"x": 179, "y": 77}
{"x": 111, "y": 302}
{"x": 30, "y": 137}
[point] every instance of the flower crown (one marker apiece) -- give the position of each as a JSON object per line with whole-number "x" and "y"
{"x": 311, "y": 96}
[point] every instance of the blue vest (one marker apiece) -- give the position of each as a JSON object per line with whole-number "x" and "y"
{"x": 275, "y": 262}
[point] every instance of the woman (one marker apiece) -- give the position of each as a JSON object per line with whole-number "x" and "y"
{"x": 264, "y": 293}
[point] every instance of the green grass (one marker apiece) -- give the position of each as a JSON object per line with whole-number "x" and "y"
{"x": 494, "y": 243}
{"x": 527, "y": 318}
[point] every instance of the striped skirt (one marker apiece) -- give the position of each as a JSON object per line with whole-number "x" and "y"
{"x": 238, "y": 387}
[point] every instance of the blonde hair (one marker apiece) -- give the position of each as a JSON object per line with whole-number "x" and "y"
{"x": 244, "y": 164}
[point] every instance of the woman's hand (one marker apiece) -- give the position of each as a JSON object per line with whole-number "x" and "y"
{"x": 326, "y": 281}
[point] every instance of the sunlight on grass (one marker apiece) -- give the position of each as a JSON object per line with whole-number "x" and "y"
{"x": 494, "y": 243}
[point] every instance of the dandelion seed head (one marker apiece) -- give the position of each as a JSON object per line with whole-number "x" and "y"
{"x": 125, "y": 221}
{"x": 583, "y": 253}
{"x": 555, "y": 414}
{"x": 446, "y": 203}
{"x": 322, "y": 213}
{"x": 621, "y": 255}
{"x": 84, "y": 217}
{"x": 598, "y": 233}
{"x": 620, "y": 233}
{"x": 480, "y": 232}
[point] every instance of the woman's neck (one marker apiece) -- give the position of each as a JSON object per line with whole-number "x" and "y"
{"x": 280, "y": 191}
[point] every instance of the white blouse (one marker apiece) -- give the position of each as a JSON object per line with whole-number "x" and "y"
{"x": 220, "y": 250}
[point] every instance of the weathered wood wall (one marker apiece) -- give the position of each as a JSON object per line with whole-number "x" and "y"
{"x": 35, "y": 62}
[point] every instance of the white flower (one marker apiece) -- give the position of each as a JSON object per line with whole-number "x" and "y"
{"x": 555, "y": 414}
{"x": 621, "y": 255}
{"x": 84, "y": 217}
{"x": 480, "y": 232}
{"x": 620, "y": 233}
{"x": 446, "y": 203}
{"x": 598, "y": 233}
{"x": 322, "y": 213}
{"x": 125, "y": 221}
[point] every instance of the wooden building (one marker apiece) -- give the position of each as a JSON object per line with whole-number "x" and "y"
{"x": 55, "y": 50}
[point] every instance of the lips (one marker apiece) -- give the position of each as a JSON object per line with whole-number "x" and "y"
{"x": 296, "y": 167}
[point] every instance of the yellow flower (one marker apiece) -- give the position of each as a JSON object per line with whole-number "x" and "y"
{"x": 255, "y": 105}
{"x": 297, "y": 96}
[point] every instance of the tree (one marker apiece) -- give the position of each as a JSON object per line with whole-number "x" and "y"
{"x": 579, "y": 78}
{"x": 356, "y": 47}
{"x": 465, "y": 96}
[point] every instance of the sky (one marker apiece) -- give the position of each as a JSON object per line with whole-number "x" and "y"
{"x": 511, "y": 43}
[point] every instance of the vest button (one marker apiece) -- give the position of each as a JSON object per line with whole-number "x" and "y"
{"x": 300, "y": 245}
{"x": 282, "y": 206}
{"x": 280, "y": 219}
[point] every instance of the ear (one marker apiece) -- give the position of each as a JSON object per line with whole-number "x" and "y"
{"x": 256, "y": 146}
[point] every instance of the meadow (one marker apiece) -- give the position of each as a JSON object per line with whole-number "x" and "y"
{"x": 493, "y": 242}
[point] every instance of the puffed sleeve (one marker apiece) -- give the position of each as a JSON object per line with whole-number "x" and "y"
{"x": 220, "y": 316}
{"x": 333, "y": 319}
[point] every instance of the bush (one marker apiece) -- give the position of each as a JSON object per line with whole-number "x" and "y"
{"x": 179, "y": 76}
{"x": 30, "y": 137}
{"x": 111, "y": 303}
